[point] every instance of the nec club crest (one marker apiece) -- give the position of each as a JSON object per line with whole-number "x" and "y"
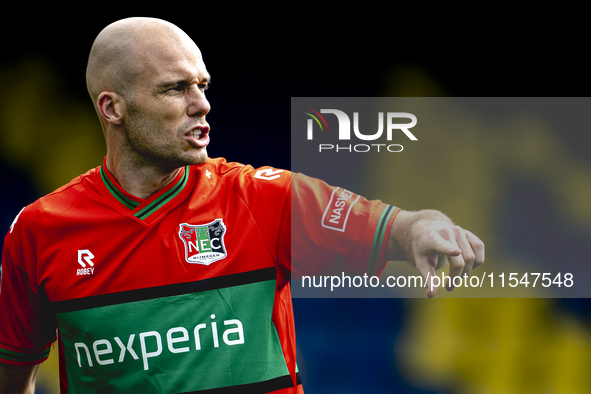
{"x": 204, "y": 243}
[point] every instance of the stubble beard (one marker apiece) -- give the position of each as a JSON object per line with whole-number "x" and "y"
{"x": 149, "y": 148}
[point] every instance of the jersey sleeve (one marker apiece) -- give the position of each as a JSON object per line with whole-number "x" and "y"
{"x": 331, "y": 224}
{"x": 28, "y": 326}
{"x": 309, "y": 225}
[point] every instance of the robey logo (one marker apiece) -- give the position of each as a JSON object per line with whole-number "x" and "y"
{"x": 344, "y": 133}
{"x": 85, "y": 257}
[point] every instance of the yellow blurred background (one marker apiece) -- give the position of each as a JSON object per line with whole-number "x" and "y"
{"x": 471, "y": 171}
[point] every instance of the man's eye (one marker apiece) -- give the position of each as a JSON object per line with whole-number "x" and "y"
{"x": 178, "y": 87}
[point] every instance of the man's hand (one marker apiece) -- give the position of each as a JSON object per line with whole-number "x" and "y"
{"x": 427, "y": 237}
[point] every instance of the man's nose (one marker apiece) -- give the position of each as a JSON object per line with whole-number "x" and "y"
{"x": 198, "y": 104}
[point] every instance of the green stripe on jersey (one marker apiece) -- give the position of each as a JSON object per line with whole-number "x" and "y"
{"x": 378, "y": 240}
{"x": 179, "y": 343}
{"x": 24, "y": 357}
{"x": 154, "y": 205}
{"x": 129, "y": 203}
{"x": 166, "y": 197}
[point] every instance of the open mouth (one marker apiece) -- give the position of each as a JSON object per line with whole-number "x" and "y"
{"x": 198, "y": 132}
{"x": 199, "y": 136}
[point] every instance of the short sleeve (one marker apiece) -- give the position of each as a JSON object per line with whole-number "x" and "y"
{"x": 308, "y": 224}
{"x": 331, "y": 224}
{"x": 28, "y": 326}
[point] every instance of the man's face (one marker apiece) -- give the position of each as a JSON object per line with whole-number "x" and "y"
{"x": 165, "y": 118}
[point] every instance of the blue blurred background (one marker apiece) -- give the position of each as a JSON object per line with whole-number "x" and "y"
{"x": 533, "y": 207}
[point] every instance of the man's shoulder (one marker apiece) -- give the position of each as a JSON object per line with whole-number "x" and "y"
{"x": 220, "y": 166}
{"x": 245, "y": 174}
{"x": 64, "y": 196}
{"x": 29, "y": 222}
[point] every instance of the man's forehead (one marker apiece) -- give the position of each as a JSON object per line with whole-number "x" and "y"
{"x": 164, "y": 61}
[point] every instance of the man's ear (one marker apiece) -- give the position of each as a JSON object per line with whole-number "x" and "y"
{"x": 110, "y": 107}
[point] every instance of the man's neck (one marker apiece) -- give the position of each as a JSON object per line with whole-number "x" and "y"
{"x": 140, "y": 180}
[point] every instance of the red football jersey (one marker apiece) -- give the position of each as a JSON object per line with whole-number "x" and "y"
{"x": 186, "y": 291}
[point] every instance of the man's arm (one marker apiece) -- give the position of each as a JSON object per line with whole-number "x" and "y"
{"x": 17, "y": 379}
{"x": 425, "y": 237}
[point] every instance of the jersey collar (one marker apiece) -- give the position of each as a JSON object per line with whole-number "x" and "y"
{"x": 140, "y": 208}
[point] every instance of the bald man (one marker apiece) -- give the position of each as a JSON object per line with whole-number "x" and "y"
{"x": 163, "y": 270}
{"x": 148, "y": 80}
